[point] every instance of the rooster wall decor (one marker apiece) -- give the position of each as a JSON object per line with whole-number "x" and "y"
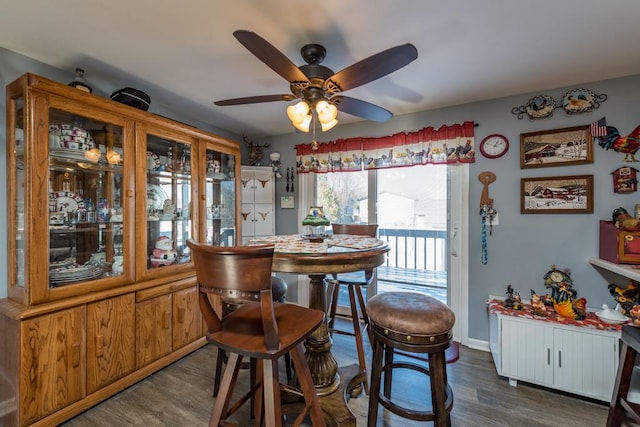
{"x": 609, "y": 138}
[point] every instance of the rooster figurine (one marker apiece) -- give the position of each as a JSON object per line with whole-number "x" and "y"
{"x": 626, "y": 297}
{"x": 628, "y": 145}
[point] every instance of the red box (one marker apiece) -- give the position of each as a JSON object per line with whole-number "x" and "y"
{"x": 621, "y": 247}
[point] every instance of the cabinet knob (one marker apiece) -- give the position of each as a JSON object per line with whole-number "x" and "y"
{"x": 129, "y": 194}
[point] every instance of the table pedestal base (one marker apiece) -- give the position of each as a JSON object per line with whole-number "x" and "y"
{"x": 336, "y": 411}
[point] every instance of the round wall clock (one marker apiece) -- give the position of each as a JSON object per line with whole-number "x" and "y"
{"x": 494, "y": 146}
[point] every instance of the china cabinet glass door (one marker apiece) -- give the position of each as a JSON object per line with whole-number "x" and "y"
{"x": 85, "y": 199}
{"x": 167, "y": 208}
{"x": 220, "y": 198}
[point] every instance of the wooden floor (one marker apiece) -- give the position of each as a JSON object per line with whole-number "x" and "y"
{"x": 181, "y": 395}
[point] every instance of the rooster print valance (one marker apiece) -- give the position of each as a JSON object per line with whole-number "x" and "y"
{"x": 445, "y": 145}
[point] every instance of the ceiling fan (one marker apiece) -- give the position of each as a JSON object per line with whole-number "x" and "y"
{"x": 317, "y": 86}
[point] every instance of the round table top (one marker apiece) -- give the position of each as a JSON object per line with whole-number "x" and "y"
{"x": 340, "y": 253}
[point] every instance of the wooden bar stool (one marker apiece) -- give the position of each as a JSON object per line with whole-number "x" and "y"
{"x": 414, "y": 323}
{"x": 619, "y": 404}
{"x": 354, "y": 282}
{"x": 258, "y": 329}
{"x": 278, "y": 294}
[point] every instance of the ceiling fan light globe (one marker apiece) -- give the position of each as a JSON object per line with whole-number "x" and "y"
{"x": 304, "y": 124}
{"x": 328, "y": 125}
{"x": 297, "y": 112}
{"x": 93, "y": 155}
{"x": 326, "y": 111}
{"x": 113, "y": 157}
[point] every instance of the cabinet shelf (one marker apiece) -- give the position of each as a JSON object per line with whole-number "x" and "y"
{"x": 626, "y": 270}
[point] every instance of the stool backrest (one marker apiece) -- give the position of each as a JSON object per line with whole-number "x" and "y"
{"x": 237, "y": 273}
{"x": 369, "y": 230}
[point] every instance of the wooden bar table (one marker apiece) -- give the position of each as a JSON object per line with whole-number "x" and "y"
{"x": 335, "y": 254}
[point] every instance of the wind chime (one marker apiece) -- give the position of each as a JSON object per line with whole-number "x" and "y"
{"x": 487, "y": 211}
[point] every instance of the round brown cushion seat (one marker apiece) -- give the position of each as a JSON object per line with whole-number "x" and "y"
{"x": 411, "y": 314}
{"x": 410, "y": 322}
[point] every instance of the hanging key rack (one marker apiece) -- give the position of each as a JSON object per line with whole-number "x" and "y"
{"x": 487, "y": 211}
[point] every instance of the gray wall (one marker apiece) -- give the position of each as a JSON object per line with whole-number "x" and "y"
{"x": 523, "y": 247}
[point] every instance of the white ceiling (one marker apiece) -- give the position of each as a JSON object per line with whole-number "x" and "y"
{"x": 183, "y": 53}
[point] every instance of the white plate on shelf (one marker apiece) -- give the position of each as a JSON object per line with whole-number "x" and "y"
{"x": 66, "y": 201}
{"x": 155, "y": 196}
{"x": 153, "y": 161}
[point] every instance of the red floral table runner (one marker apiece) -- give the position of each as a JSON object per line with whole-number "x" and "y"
{"x": 592, "y": 321}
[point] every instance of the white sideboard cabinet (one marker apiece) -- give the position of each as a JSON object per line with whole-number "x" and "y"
{"x": 574, "y": 359}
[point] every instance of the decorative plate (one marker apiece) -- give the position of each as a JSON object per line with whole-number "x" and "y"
{"x": 153, "y": 161}
{"x": 540, "y": 106}
{"x": 65, "y": 201}
{"x": 578, "y": 101}
{"x": 155, "y": 196}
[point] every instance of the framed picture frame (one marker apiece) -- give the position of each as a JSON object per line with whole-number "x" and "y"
{"x": 557, "y": 147}
{"x": 557, "y": 195}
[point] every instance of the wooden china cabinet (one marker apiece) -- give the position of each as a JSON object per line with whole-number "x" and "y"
{"x": 101, "y": 288}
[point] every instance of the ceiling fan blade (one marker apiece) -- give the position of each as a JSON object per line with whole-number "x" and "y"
{"x": 255, "y": 99}
{"x": 357, "y": 107}
{"x": 372, "y": 68}
{"x": 272, "y": 57}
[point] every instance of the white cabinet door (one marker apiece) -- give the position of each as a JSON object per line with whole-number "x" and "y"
{"x": 258, "y": 202}
{"x": 263, "y": 220}
{"x": 585, "y": 363}
{"x": 526, "y": 350}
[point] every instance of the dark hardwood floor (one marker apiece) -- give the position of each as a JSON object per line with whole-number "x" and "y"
{"x": 181, "y": 395}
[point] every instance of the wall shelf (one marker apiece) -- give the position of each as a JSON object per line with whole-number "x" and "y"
{"x": 627, "y": 270}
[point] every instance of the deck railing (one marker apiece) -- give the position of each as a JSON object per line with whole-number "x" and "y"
{"x": 416, "y": 249}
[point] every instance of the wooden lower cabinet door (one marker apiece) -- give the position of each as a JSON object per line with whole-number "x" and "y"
{"x": 110, "y": 340}
{"x": 52, "y": 363}
{"x": 153, "y": 329}
{"x": 187, "y": 321}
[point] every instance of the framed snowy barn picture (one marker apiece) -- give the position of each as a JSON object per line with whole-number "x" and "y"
{"x": 558, "y": 147}
{"x": 558, "y": 194}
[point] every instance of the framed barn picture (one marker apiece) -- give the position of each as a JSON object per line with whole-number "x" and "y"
{"x": 558, "y": 147}
{"x": 557, "y": 194}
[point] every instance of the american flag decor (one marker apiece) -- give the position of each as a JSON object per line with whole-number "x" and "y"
{"x": 599, "y": 128}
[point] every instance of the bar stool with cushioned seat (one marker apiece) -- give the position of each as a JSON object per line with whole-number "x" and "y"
{"x": 415, "y": 323}
{"x": 259, "y": 328}
{"x": 355, "y": 282}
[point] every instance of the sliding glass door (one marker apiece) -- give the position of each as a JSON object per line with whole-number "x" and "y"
{"x": 410, "y": 207}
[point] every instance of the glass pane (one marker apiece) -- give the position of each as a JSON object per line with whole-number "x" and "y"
{"x": 343, "y": 196}
{"x": 220, "y": 193}
{"x": 18, "y": 147}
{"x": 168, "y": 201}
{"x": 85, "y": 199}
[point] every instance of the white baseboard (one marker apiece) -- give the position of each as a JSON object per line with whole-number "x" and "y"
{"x": 477, "y": 344}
